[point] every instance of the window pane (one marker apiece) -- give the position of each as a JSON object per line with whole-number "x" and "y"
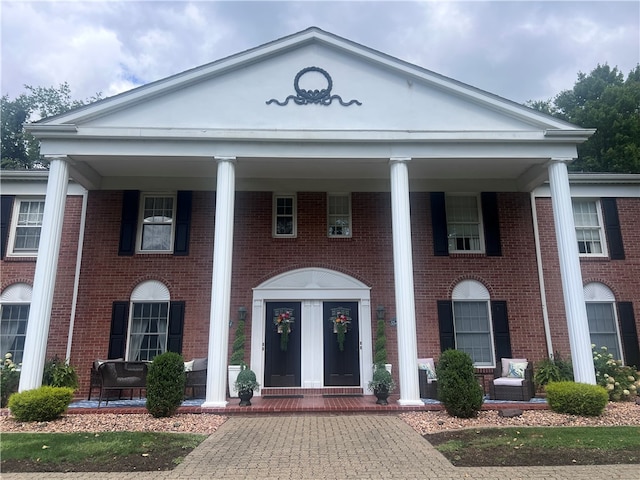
{"x": 602, "y": 327}
{"x": 588, "y": 228}
{"x": 13, "y": 330}
{"x": 157, "y": 224}
{"x": 284, "y": 219}
{"x": 463, "y": 223}
{"x": 28, "y": 226}
{"x": 339, "y": 216}
{"x": 148, "y": 331}
{"x": 472, "y": 331}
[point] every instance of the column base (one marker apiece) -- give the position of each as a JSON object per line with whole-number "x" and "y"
{"x": 410, "y": 403}
{"x": 214, "y": 404}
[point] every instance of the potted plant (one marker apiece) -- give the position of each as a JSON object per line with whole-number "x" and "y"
{"x": 245, "y": 385}
{"x": 237, "y": 352}
{"x": 382, "y": 384}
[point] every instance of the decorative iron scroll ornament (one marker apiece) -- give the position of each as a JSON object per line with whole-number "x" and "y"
{"x": 306, "y": 97}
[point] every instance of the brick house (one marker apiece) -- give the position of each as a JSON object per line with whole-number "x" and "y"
{"x": 311, "y": 177}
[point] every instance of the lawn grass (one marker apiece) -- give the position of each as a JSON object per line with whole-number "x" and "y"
{"x": 539, "y": 446}
{"x": 55, "y": 448}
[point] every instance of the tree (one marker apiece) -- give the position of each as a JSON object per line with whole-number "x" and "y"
{"x": 20, "y": 150}
{"x": 606, "y": 101}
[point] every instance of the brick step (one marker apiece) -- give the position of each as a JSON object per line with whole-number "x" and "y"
{"x": 310, "y": 392}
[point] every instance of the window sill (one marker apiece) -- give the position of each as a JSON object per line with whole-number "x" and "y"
{"x": 468, "y": 255}
{"x": 29, "y": 259}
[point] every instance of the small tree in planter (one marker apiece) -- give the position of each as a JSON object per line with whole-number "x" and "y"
{"x": 245, "y": 385}
{"x": 380, "y": 355}
{"x": 458, "y": 388}
{"x": 165, "y": 384}
{"x": 382, "y": 384}
{"x": 237, "y": 352}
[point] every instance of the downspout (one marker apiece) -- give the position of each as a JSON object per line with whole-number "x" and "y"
{"x": 543, "y": 295}
{"x": 76, "y": 280}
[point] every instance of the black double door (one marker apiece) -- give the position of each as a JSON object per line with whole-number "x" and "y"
{"x": 283, "y": 365}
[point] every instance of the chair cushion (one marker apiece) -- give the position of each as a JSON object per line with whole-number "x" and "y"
{"x": 199, "y": 364}
{"x": 516, "y": 369}
{"x": 428, "y": 365}
{"x": 188, "y": 366}
{"x": 512, "y": 382}
{"x": 505, "y": 365}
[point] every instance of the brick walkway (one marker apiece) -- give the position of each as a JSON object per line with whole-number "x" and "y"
{"x": 331, "y": 447}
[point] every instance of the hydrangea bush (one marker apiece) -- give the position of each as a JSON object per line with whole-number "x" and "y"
{"x": 9, "y": 379}
{"x": 621, "y": 382}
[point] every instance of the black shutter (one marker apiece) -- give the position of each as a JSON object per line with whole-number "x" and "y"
{"x": 118, "y": 336}
{"x": 439, "y": 224}
{"x": 183, "y": 223}
{"x": 445, "y": 322}
{"x": 612, "y": 228}
{"x": 491, "y": 223}
{"x": 6, "y": 205}
{"x": 129, "y": 222}
{"x": 176, "y": 323}
{"x": 501, "y": 336}
{"x": 629, "y": 334}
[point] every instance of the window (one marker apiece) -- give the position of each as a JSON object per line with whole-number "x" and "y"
{"x": 149, "y": 322}
{"x": 26, "y": 225}
{"x": 464, "y": 228}
{"x": 156, "y": 218}
{"x": 472, "y": 322}
{"x": 14, "y": 315}
{"x": 339, "y": 215}
{"x": 601, "y": 315}
{"x": 284, "y": 215}
{"x": 588, "y": 221}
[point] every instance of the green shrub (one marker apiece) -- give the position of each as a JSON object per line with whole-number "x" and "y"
{"x": 41, "y": 404}
{"x": 58, "y": 373}
{"x": 458, "y": 388}
{"x": 380, "y": 357}
{"x": 553, "y": 369}
{"x": 621, "y": 382}
{"x": 246, "y": 380}
{"x": 577, "y": 398}
{"x": 165, "y": 384}
{"x": 9, "y": 379}
{"x": 237, "y": 350}
{"x": 382, "y": 380}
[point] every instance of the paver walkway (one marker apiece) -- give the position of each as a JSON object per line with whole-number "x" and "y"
{"x": 331, "y": 447}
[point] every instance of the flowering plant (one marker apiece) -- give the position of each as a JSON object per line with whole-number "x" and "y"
{"x": 283, "y": 320}
{"x": 9, "y": 379}
{"x": 340, "y": 327}
{"x": 621, "y": 382}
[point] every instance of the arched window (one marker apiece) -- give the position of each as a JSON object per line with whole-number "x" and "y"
{"x": 602, "y": 317}
{"x": 148, "y": 321}
{"x": 14, "y": 315}
{"x": 472, "y": 322}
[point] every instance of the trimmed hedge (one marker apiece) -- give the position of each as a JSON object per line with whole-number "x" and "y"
{"x": 165, "y": 384}
{"x": 458, "y": 388}
{"x": 41, "y": 404}
{"x": 577, "y": 398}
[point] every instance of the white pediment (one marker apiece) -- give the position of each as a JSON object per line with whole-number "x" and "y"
{"x": 233, "y": 95}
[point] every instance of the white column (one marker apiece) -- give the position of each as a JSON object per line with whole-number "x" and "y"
{"x": 403, "y": 276}
{"x": 572, "y": 287}
{"x": 221, "y": 284}
{"x": 44, "y": 280}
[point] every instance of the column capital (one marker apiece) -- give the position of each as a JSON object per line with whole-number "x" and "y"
{"x": 64, "y": 158}
{"x": 222, "y": 158}
{"x": 399, "y": 159}
{"x": 560, "y": 160}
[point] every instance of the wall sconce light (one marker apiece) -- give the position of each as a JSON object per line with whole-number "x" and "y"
{"x": 242, "y": 313}
{"x": 380, "y": 312}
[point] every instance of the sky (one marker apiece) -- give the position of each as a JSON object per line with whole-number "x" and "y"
{"x": 520, "y": 50}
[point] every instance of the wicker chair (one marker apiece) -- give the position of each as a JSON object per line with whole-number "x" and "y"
{"x": 196, "y": 371}
{"x": 506, "y": 387}
{"x": 95, "y": 380}
{"x": 119, "y": 376}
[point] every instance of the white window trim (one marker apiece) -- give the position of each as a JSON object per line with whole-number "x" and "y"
{"x": 472, "y": 291}
{"x": 595, "y": 292}
{"x": 274, "y": 215}
{"x": 603, "y": 235}
{"x": 14, "y": 226}
{"x": 150, "y": 291}
{"x": 139, "y": 229}
{"x": 340, "y": 194}
{"x": 480, "y": 223}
